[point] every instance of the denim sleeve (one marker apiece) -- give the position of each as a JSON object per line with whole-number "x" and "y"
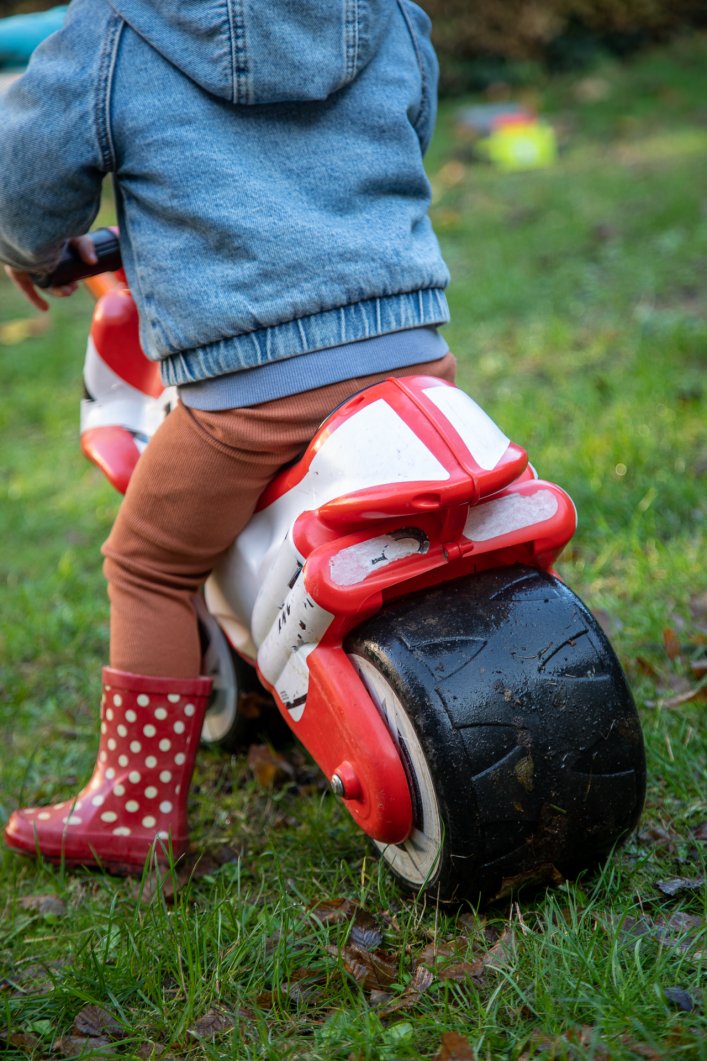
{"x": 54, "y": 145}
{"x": 420, "y": 30}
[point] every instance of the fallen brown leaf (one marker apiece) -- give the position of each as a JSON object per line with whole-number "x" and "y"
{"x": 633, "y": 928}
{"x": 681, "y": 999}
{"x": 213, "y": 1023}
{"x": 268, "y": 766}
{"x": 420, "y": 982}
{"x": 641, "y": 1049}
{"x": 451, "y": 948}
{"x": 152, "y": 1051}
{"x": 698, "y": 609}
{"x": 372, "y": 970}
{"x": 254, "y": 705}
{"x": 546, "y": 873}
{"x": 333, "y": 911}
{"x": 84, "y": 1046}
{"x": 45, "y": 905}
{"x": 422, "y": 979}
{"x": 647, "y": 668}
{"x": 364, "y": 931}
{"x": 95, "y": 1022}
{"x": 679, "y": 884}
{"x": 692, "y": 692}
{"x": 303, "y": 985}
{"x": 657, "y": 835}
{"x": 672, "y": 643}
{"x": 552, "y": 1048}
{"x": 379, "y": 998}
{"x": 683, "y": 931}
{"x": 501, "y": 951}
{"x": 455, "y": 1047}
{"x": 24, "y": 1041}
{"x": 13, "y": 332}
{"x": 461, "y": 971}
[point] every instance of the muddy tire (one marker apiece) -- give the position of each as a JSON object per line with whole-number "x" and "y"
{"x": 517, "y": 728}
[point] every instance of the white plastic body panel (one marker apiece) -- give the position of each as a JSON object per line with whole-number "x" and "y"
{"x": 373, "y": 447}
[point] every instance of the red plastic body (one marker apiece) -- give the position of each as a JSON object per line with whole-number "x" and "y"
{"x": 484, "y": 509}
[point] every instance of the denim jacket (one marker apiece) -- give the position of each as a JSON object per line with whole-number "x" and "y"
{"x": 267, "y": 160}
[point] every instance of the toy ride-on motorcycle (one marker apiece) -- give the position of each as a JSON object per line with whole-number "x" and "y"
{"x": 395, "y": 593}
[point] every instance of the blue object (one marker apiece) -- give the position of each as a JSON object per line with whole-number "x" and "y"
{"x": 20, "y": 34}
{"x": 252, "y": 233}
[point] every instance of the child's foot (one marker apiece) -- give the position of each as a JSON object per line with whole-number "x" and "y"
{"x": 135, "y": 802}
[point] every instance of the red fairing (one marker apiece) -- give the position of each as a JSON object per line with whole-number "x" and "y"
{"x": 484, "y": 509}
{"x": 411, "y": 398}
{"x": 113, "y": 451}
{"x": 115, "y": 331}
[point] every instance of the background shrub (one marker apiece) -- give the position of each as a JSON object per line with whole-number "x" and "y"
{"x": 480, "y": 41}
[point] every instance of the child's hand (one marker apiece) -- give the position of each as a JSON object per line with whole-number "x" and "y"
{"x": 23, "y": 281}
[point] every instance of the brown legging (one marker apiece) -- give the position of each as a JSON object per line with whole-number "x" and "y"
{"x": 194, "y": 489}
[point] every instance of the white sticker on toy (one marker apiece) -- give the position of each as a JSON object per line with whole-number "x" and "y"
{"x": 353, "y": 565}
{"x": 507, "y": 514}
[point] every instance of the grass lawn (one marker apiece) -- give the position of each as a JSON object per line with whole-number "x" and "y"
{"x": 578, "y": 305}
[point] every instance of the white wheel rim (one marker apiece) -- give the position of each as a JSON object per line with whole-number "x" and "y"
{"x": 416, "y": 860}
{"x": 217, "y": 664}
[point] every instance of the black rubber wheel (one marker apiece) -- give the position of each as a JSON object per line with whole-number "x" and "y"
{"x": 517, "y": 727}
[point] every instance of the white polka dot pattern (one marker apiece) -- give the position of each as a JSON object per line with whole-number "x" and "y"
{"x": 147, "y": 747}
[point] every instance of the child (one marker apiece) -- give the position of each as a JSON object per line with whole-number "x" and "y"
{"x": 272, "y": 202}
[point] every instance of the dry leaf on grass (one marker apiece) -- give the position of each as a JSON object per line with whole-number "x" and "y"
{"x": 584, "y": 1039}
{"x": 420, "y": 982}
{"x": 303, "y": 986}
{"x": 268, "y": 766}
{"x": 688, "y": 694}
{"x": 13, "y": 332}
{"x": 153, "y": 1052}
{"x": 455, "y": 1047}
{"x": 45, "y": 905}
{"x": 24, "y": 1041}
{"x": 373, "y": 971}
{"x": 681, "y": 999}
{"x": 681, "y": 931}
{"x": 433, "y": 952}
{"x": 94, "y": 1021}
{"x": 333, "y": 911}
{"x": 672, "y": 643}
{"x": 84, "y": 1046}
{"x": 685, "y": 932}
{"x": 676, "y": 885}
{"x": 698, "y": 610}
{"x": 212, "y": 1024}
{"x": 364, "y": 931}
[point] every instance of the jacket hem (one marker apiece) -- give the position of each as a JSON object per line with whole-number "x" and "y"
{"x": 335, "y": 327}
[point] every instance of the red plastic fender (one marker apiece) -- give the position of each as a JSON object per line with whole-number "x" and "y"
{"x": 113, "y": 451}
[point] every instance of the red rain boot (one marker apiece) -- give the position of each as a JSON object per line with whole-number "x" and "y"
{"x": 150, "y": 729}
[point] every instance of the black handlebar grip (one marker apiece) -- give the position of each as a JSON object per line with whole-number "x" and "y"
{"x": 71, "y": 267}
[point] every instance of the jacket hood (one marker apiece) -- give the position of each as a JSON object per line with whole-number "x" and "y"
{"x": 263, "y": 51}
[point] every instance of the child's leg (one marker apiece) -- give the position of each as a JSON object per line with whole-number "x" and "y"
{"x": 193, "y": 491}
